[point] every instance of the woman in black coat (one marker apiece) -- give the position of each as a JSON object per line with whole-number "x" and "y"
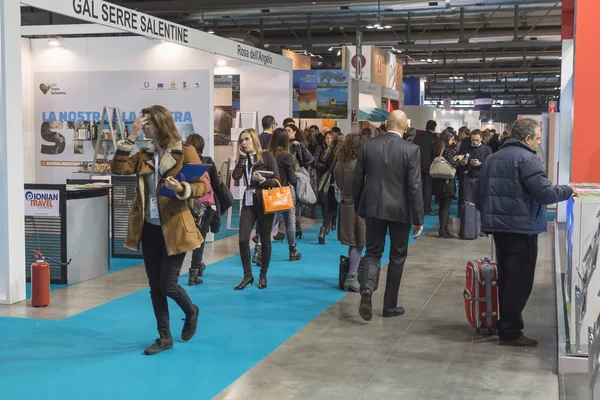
{"x": 325, "y": 160}
{"x": 445, "y": 189}
{"x": 252, "y": 160}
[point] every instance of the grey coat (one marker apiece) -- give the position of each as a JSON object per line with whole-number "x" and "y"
{"x": 351, "y": 227}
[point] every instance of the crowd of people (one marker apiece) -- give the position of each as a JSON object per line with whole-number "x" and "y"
{"x": 367, "y": 184}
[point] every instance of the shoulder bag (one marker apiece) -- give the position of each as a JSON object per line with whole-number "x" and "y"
{"x": 441, "y": 168}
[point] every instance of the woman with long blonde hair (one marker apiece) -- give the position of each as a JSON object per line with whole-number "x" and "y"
{"x": 251, "y": 162}
{"x": 163, "y": 225}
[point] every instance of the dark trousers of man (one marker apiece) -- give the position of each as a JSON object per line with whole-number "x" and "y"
{"x": 376, "y": 234}
{"x": 516, "y": 257}
{"x": 163, "y": 276}
{"x": 461, "y": 177}
{"x": 248, "y": 217}
{"x": 198, "y": 254}
{"x": 427, "y": 191}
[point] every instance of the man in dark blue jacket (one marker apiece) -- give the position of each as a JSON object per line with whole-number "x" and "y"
{"x": 512, "y": 195}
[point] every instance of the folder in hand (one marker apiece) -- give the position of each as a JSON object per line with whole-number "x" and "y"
{"x": 190, "y": 173}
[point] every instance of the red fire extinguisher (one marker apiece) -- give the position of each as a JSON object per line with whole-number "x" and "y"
{"x": 40, "y": 281}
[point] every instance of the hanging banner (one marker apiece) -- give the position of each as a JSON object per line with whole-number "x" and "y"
{"x": 321, "y": 94}
{"x": 68, "y": 107}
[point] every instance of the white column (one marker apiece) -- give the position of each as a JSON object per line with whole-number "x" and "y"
{"x": 566, "y": 121}
{"x": 12, "y": 231}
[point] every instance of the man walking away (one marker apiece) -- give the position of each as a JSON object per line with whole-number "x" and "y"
{"x": 387, "y": 192}
{"x": 426, "y": 143}
{"x": 512, "y": 195}
{"x": 268, "y": 124}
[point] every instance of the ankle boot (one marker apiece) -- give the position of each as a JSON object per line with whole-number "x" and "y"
{"x": 248, "y": 280}
{"x": 193, "y": 279}
{"x": 257, "y": 258}
{"x": 294, "y": 255}
{"x": 262, "y": 282}
{"x": 201, "y": 269}
{"x": 322, "y": 234}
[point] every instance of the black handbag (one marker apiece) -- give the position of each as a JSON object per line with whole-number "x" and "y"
{"x": 197, "y": 210}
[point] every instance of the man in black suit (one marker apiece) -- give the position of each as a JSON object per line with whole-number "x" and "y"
{"x": 426, "y": 142}
{"x": 387, "y": 192}
{"x": 269, "y": 125}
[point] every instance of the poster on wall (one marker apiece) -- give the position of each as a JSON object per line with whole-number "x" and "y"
{"x": 321, "y": 94}
{"x": 42, "y": 203}
{"x": 349, "y": 61}
{"x": 226, "y": 106}
{"x": 68, "y": 107}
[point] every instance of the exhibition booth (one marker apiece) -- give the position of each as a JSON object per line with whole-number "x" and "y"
{"x": 77, "y": 90}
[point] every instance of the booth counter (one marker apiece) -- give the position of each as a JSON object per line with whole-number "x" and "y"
{"x": 581, "y": 282}
{"x": 70, "y": 224}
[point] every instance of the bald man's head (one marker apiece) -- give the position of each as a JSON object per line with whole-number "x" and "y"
{"x": 397, "y": 121}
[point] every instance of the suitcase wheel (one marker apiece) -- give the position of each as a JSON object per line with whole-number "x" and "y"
{"x": 491, "y": 331}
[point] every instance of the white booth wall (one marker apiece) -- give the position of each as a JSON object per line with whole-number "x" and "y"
{"x": 94, "y": 54}
{"x": 419, "y": 115}
{"x": 264, "y": 90}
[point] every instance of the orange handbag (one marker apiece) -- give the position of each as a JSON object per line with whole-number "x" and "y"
{"x": 277, "y": 199}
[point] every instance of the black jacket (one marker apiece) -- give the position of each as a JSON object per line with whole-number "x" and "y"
{"x": 304, "y": 157}
{"x": 387, "y": 180}
{"x": 426, "y": 142}
{"x": 287, "y": 169}
{"x": 264, "y": 139}
{"x": 267, "y": 164}
{"x": 513, "y": 191}
{"x": 445, "y": 187}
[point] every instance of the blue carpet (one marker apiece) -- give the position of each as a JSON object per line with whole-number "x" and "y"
{"x": 97, "y": 354}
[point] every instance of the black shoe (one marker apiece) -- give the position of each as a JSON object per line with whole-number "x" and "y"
{"x": 262, "y": 282}
{"x": 279, "y": 237}
{"x": 201, "y": 269}
{"x": 257, "y": 257}
{"x": 294, "y": 255}
{"x": 333, "y": 226}
{"x": 298, "y": 234}
{"x": 365, "y": 309}
{"x": 445, "y": 234}
{"x": 190, "y": 325}
{"x": 393, "y": 312}
{"x": 522, "y": 341}
{"x": 248, "y": 280}
{"x": 158, "y": 346}
{"x": 432, "y": 213}
{"x": 322, "y": 236}
{"x": 193, "y": 279}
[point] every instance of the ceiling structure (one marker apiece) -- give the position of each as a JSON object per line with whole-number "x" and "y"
{"x": 508, "y": 48}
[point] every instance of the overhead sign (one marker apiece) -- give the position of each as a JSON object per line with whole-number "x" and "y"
{"x": 42, "y": 203}
{"x": 108, "y": 14}
{"x": 552, "y": 108}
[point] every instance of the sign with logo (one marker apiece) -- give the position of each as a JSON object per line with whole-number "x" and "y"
{"x": 552, "y": 108}
{"x": 447, "y": 104}
{"x": 52, "y": 88}
{"x": 42, "y": 203}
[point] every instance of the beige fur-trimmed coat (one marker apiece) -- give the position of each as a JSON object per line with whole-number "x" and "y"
{"x": 179, "y": 229}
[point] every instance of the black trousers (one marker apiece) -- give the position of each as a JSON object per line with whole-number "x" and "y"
{"x": 444, "y": 213}
{"x": 461, "y": 194}
{"x": 376, "y": 233}
{"x": 517, "y": 256}
{"x": 198, "y": 253}
{"x": 163, "y": 276}
{"x": 329, "y": 207}
{"x": 248, "y": 217}
{"x": 427, "y": 191}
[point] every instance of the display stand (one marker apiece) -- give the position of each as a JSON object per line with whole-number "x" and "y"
{"x": 238, "y": 191}
{"x": 108, "y": 115}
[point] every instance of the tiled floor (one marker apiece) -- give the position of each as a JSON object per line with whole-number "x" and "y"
{"x": 429, "y": 353}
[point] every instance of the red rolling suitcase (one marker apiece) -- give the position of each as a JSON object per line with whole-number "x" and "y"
{"x": 481, "y": 294}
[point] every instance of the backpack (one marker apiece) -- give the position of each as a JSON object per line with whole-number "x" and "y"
{"x": 209, "y": 197}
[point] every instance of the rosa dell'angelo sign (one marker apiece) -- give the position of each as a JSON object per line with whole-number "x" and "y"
{"x": 130, "y": 19}
{"x": 42, "y": 203}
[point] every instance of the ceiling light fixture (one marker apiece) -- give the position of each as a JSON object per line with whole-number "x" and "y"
{"x": 423, "y": 60}
{"x": 380, "y": 28}
{"x": 339, "y": 53}
{"x": 330, "y": 49}
{"x": 469, "y": 89}
{"x": 211, "y": 31}
{"x": 388, "y": 27}
{"x": 377, "y": 25}
{"x": 221, "y": 63}
{"x": 429, "y": 60}
{"x": 55, "y": 42}
{"x": 370, "y": 27}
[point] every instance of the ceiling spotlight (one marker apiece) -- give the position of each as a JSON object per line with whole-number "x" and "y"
{"x": 558, "y": 76}
{"x": 470, "y": 111}
{"x": 435, "y": 60}
{"x": 461, "y": 111}
{"x": 211, "y": 31}
{"x": 339, "y": 53}
{"x": 221, "y": 63}
{"x": 560, "y": 57}
{"x": 380, "y": 28}
{"x": 388, "y": 27}
{"x": 330, "y": 49}
{"x": 491, "y": 121}
{"x": 429, "y": 60}
{"x": 469, "y": 89}
{"x": 377, "y": 25}
{"x": 55, "y": 42}
{"x": 423, "y": 60}
{"x": 370, "y": 27}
